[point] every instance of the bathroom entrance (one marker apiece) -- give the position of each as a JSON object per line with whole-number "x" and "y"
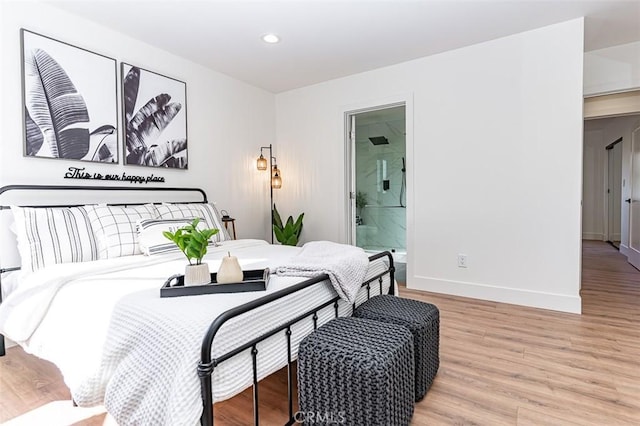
{"x": 378, "y": 183}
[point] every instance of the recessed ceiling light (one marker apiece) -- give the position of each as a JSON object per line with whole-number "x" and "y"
{"x": 270, "y": 38}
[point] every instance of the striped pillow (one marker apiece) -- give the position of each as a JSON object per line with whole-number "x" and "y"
{"x": 150, "y": 236}
{"x": 115, "y": 228}
{"x": 47, "y": 236}
{"x": 206, "y": 211}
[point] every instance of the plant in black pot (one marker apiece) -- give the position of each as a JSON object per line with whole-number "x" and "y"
{"x": 193, "y": 242}
{"x": 289, "y": 232}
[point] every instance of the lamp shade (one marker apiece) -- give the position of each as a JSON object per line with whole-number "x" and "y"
{"x": 262, "y": 163}
{"x": 276, "y": 180}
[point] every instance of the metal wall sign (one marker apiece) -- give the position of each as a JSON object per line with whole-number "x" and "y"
{"x": 81, "y": 173}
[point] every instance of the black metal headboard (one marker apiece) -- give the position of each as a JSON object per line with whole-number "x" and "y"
{"x": 39, "y": 190}
{"x": 96, "y": 188}
{"x": 122, "y": 189}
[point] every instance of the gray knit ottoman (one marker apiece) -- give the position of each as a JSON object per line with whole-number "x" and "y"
{"x": 423, "y": 320}
{"x": 355, "y": 371}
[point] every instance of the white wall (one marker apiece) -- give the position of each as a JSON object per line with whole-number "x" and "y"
{"x": 494, "y": 150}
{"x": 598, "y": 134}
{"x": 227, "y": 120}
{"x": 613, "y": 69}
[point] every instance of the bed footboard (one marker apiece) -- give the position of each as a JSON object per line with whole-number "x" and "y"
{"x": 207, "y": 364}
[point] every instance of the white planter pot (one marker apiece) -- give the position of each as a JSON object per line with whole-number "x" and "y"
{"x": 197, "y": 274}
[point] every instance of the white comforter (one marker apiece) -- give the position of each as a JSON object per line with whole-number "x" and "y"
{"x": 117, "y": 342}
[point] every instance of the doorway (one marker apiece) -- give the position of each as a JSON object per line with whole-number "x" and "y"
{"x": 608, "y": 202}
{"x": 377, "y": 164}
{"x": 609, "y": 118}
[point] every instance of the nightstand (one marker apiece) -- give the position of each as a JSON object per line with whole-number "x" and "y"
{"x": 226, "y": 220}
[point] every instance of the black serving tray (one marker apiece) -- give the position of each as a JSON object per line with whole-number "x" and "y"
{"x": 254, "y": 280}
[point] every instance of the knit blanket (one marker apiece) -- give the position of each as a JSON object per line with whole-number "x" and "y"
{"x": 345, "y": 265}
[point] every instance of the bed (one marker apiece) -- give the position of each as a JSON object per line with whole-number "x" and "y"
{"x": 153, "y": 360}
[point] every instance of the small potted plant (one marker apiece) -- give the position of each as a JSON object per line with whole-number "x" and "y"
{"x": 193, "y": 243}
{"x": 361, "y": 202}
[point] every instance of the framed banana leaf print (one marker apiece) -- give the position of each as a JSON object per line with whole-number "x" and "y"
{"x": 155, "y": 118}
{"x": 70, "y": 101}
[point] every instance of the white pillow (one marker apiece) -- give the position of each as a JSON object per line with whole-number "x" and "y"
{"x": 207, "y": 212}
{"x": 151, "y": 239}
{"x": 47, "y": 236}
{"x": 115, "y": 228}
{"x": 9, "y": 255}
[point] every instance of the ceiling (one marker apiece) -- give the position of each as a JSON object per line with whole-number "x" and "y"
{"x": 323, "y": 40}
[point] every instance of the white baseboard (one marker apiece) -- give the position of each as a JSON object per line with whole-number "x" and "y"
{"x": 614, "y": 237}
{"x": 552, "y": 301}
{"x": 624, "y": 250}
{"x": 593, "y": 236}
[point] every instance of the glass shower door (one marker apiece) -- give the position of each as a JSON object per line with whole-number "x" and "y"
{"x": 378, "y": 188}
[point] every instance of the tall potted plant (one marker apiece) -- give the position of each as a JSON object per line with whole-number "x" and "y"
{"x": 289, "y": 232}
{"x": 193, "y": 242}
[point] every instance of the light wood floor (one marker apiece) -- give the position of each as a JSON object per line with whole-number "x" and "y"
{"x": 499, "y": 364}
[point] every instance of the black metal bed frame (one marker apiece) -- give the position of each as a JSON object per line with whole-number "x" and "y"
{"x": 207, "y": 364}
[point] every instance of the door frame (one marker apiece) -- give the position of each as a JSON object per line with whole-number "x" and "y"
{"x": 351, "y": 163}
{"x": 608, "y": 106}
{"x": 347, "y": 111}
{"x": 633, "y": 255}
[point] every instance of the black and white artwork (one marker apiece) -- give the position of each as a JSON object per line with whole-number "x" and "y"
{"x": 155, "y": 116}
{"x": 70, "y": 105}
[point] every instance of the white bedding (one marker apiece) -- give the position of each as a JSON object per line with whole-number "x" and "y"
{"x": 117, "y": 342}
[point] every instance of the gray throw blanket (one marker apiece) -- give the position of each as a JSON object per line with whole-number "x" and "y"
{"x": 346, "y": 266}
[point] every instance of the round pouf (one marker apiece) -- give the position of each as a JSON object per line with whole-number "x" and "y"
{"x": 355, "y": 371}
{"x": 423, "y": 320}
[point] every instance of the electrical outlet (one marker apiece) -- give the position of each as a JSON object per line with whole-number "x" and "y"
{"x": 462, "y": 260}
